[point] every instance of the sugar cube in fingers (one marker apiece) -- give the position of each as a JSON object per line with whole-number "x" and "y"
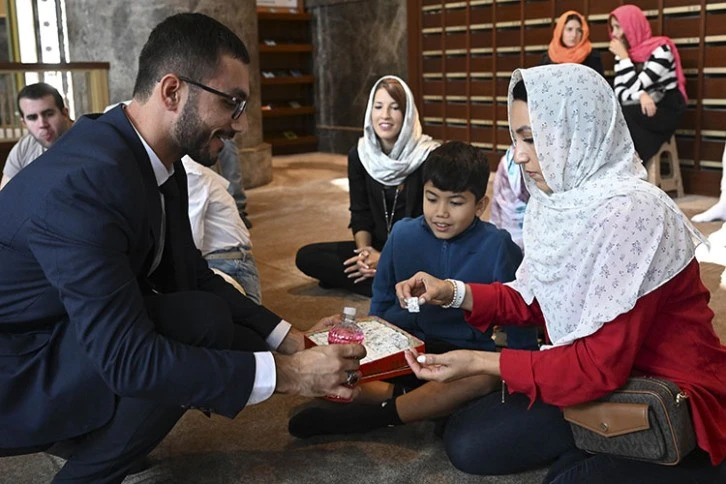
{"x": 421, "y": 359}
{"x": 412, "y": 305}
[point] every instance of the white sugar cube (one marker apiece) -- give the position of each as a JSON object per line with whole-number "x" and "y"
{"x": 421, "y": 359}
{"x": 412, "y": 305}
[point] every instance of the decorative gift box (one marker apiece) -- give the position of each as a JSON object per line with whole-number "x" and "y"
{"x": 385, "y": 344}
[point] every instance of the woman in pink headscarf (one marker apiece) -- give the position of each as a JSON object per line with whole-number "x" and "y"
{"x": 649, "y": 80}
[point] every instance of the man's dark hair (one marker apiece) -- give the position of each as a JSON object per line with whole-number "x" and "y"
{"x": 519, "y": 93}
{"x": 186, "y": 44}
{"x": 39, "y": 91}
{"x": 458, "y": 167}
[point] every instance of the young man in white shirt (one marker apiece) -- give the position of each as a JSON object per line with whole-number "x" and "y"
{"x": 44, "y": 113}
{"x": 218, "y": 230}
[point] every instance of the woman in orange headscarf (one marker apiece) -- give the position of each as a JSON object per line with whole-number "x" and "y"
{"x": 571, "y": 43}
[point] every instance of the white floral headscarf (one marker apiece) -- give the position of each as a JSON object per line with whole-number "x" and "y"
{"x": 604, "y": 237}
{"x": 409, "y": 151}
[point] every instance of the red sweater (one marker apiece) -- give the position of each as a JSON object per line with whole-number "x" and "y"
{"x": 667, "y": 334}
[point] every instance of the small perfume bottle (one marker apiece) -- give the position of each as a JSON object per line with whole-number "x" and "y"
{"x": 345, "y": 332}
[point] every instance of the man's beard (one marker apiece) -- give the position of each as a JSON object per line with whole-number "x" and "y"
{"x": 192, "y": 135}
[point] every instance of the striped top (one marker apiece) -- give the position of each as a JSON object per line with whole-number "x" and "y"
{"x": 657, "y": 76}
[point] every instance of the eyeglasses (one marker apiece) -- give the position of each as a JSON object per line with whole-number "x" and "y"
{"x": 239, "y": 103}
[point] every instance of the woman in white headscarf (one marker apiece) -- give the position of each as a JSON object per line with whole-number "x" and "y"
{"x": 609, "y": 272}
{"x": 384, "y": 175}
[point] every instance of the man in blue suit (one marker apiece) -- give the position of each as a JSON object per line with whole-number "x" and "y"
{"x": 111, "y": 323}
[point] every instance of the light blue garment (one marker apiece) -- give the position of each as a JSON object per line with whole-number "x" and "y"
{"x": 242, "y": 270}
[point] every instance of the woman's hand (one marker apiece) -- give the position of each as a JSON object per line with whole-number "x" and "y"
{"x": 453, "y": 365}
{"x": 427, "y": 288}
{"x": 647, "y": 105}
{"x": 618, "y": 48}
{"x": 362, "y": 265}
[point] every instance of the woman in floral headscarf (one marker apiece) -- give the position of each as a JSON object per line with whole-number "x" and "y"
{"x": 610, "y": 273}
{"x": 649, "y": 80}
{"x": 571, "y": 43}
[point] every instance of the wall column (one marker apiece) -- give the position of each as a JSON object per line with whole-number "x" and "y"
{"x": 116, "y": 32}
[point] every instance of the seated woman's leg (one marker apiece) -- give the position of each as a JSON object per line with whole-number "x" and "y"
{"x": 324, "y": 262}
{"x": 649, "y": 133}
{"x": 489, "y": 437}
{"x": 695, "y": 468}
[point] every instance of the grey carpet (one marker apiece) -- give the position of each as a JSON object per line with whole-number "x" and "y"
{"x": 301, "y": 206}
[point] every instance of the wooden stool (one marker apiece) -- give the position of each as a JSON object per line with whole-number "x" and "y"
{"x": 664, "y": 169}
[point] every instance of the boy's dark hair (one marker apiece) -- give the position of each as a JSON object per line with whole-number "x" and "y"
{"x": 39, "y": 91}
{"x": 186, "y": 44}
{"x": 519, "y": 93}
{"x": 458, "y": 167}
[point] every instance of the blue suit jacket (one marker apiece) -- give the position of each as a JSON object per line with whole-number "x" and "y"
{"x": 77, "y": 230}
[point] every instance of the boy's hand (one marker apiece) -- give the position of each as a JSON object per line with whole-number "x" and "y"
{"x": 427, "y": 288}
{"x": 362, "y": 265}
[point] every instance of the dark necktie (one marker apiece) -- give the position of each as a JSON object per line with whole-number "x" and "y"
{"x": 173, "y": 268}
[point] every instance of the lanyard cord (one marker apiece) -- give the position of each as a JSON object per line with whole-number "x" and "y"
{"x": 389, "y": 218}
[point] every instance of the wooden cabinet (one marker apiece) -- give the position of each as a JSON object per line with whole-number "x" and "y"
{"x": 286, "y": 78}
{"x": 462, "y": 54}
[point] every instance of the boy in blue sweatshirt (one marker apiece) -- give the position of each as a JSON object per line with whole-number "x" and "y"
{"x": 448, "y": 241}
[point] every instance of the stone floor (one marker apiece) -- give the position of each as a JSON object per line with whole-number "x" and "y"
{"x": 307, "y": 202}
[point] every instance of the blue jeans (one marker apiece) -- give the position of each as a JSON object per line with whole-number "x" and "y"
{"x": 521, "y": 338}
{"x": 242, "y": 270}
{"x": 489, "y": 437}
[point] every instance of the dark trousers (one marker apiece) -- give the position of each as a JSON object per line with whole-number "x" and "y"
{"x": 324, "y": 262}
{"x": 489, "y": 437}
{"x": 106, "y": 455}
{"x": 650, "y": 133}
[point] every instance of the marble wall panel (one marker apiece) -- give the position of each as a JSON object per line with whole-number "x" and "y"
{"x": 356, "y": 42}
{"x": 116, "y": 31}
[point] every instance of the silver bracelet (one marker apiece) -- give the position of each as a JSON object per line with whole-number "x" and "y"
{"x": 453, "y": 296}
{"x": 460, "y": 293}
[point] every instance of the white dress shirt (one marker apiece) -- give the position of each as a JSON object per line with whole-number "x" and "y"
{"x": 265, "y": 372}
{"x": 213, "y": 214}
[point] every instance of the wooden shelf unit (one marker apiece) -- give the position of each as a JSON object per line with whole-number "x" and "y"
{"x": 287, "y": 111}
{"x": 286, "y": 51}
{"x": 276, "y": 81}
{"x": 461, "y": 56}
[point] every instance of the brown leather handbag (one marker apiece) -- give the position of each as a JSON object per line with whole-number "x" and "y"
{"x": 647, "y": 419}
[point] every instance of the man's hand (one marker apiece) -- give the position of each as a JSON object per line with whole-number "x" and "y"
{"x": 319, "y": 371}
{"x": 293, "y": 342}
{"x": 326, "y": 323}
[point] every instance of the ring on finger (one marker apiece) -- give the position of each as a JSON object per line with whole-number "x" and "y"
{"x": 352, "y": 377}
